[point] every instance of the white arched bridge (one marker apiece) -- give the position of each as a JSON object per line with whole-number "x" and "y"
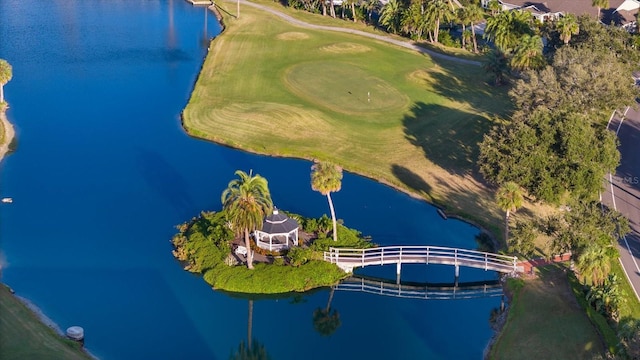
{"x": 348, "y": 259}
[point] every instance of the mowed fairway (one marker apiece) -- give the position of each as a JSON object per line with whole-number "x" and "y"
{"x": 386, "y": 112}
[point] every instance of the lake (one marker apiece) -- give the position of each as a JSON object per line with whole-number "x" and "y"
{"x": 104, "y": 171}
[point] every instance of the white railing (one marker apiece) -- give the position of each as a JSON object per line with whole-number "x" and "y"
{"x": 351, "y": 258}
{"x": 272, "y": 247}
{"x": 426, "y": 292}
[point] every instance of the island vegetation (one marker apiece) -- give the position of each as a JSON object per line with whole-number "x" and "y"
{"x": 205, "y": 244}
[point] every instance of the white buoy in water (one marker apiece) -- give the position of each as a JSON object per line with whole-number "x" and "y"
{"x": 75, "y": 333}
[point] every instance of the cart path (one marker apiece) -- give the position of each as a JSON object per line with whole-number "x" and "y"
{"x": 405, "y": 44}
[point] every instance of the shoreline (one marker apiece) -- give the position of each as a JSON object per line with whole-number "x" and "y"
{"x": 9, "y": 134}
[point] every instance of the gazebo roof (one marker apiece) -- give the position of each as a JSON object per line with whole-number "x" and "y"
{"x": 277, "y": 223}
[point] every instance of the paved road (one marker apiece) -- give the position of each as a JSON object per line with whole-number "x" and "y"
{"x": 385, "y": 38}
{"x": 625, "y": 187}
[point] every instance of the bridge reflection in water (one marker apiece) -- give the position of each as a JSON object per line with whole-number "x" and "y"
{"x": 425, "y": 291}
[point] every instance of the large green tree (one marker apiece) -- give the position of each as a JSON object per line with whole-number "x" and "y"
{"x": 580, "y": 79}
{"x": 545, "y": 153}
{"x": 247, "y": 201}
{"x": 6, "y": 73}
{"x": 325, "y": 179}
{"x": 509, "y": 198}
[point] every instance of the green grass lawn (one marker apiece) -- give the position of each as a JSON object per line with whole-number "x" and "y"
{"x": 546, "y": 322}
{"x": 376, "y": 109}
{"x": 23, "y": 336}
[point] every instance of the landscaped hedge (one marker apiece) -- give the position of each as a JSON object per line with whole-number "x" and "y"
{"x": 273, "y": 279}
{"x": 598, "y": 320}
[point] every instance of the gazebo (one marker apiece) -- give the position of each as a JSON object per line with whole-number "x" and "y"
{"x": 277, "y": 230}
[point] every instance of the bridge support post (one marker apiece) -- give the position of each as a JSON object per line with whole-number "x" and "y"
{"x": 398, "y": 269}
{"x": 457, "y": 274}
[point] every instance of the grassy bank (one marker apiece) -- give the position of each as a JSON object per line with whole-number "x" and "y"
{"x": 546, "y": 322}
{"x": 24, "y": 336}
{"x": 378, "y": 110}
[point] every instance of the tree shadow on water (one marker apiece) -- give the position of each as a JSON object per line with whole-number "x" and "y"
{"x": 449, "y": 137}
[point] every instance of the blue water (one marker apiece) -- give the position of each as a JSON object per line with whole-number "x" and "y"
{"x": 104, "y": 171}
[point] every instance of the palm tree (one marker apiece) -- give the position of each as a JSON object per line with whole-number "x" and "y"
{"x": 391, "y": 15}
{"x": 567, "y": 26}
{"x": 327, "y": 178}
{"x": 463, "y": 19}
{"x": 509, "y": 198}
{"x": 439, "y": 11}
{"x": 247, "y": 201}
{"x": 353, "y": 10}
{"x": 528, "y": 53}
{"x": 6, "y": 73}
{"x": 497, "y": 65}
{"x": 494, "y": 6}
{"x": 474, "y": 14}
{"x": 413, "y": 20}
{"x": 506, "y": 28}
{"x": 600, "y": 4}
{"x": 594, "y": 263}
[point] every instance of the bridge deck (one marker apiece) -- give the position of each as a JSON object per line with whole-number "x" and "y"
{"x": 348, "y": 259}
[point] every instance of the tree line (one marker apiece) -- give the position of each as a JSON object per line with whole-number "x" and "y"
{"x": 555, "y": 147}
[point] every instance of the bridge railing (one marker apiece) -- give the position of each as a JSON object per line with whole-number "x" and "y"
{"x": 415, "y": 292}
{"x": 423, "y": 254}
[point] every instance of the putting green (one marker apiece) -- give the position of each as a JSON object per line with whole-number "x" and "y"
{"x": 343, "y": 87}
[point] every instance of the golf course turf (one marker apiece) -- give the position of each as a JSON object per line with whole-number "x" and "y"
{"x": 377, "y": 109}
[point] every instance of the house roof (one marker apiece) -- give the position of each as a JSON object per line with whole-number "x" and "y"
{"x": 277, "y": 223}
{"x": 576, "y": 7}
{"x": 621, "y": 17}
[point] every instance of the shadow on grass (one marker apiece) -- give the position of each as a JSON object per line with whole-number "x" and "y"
{"x": 470, "y": 84}
{"x": 449, "y": 137}
{"x": 411, "y": 180}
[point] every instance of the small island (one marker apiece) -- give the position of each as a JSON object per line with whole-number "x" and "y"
{"x": 287, "y": 249}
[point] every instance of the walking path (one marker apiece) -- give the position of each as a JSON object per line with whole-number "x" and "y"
{"x": 529, "y": 265}
{"x": 405, "y": 44}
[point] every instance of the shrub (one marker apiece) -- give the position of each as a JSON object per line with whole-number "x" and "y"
{"x": 444, "y": 37}
{"x": 299, "y": 256}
